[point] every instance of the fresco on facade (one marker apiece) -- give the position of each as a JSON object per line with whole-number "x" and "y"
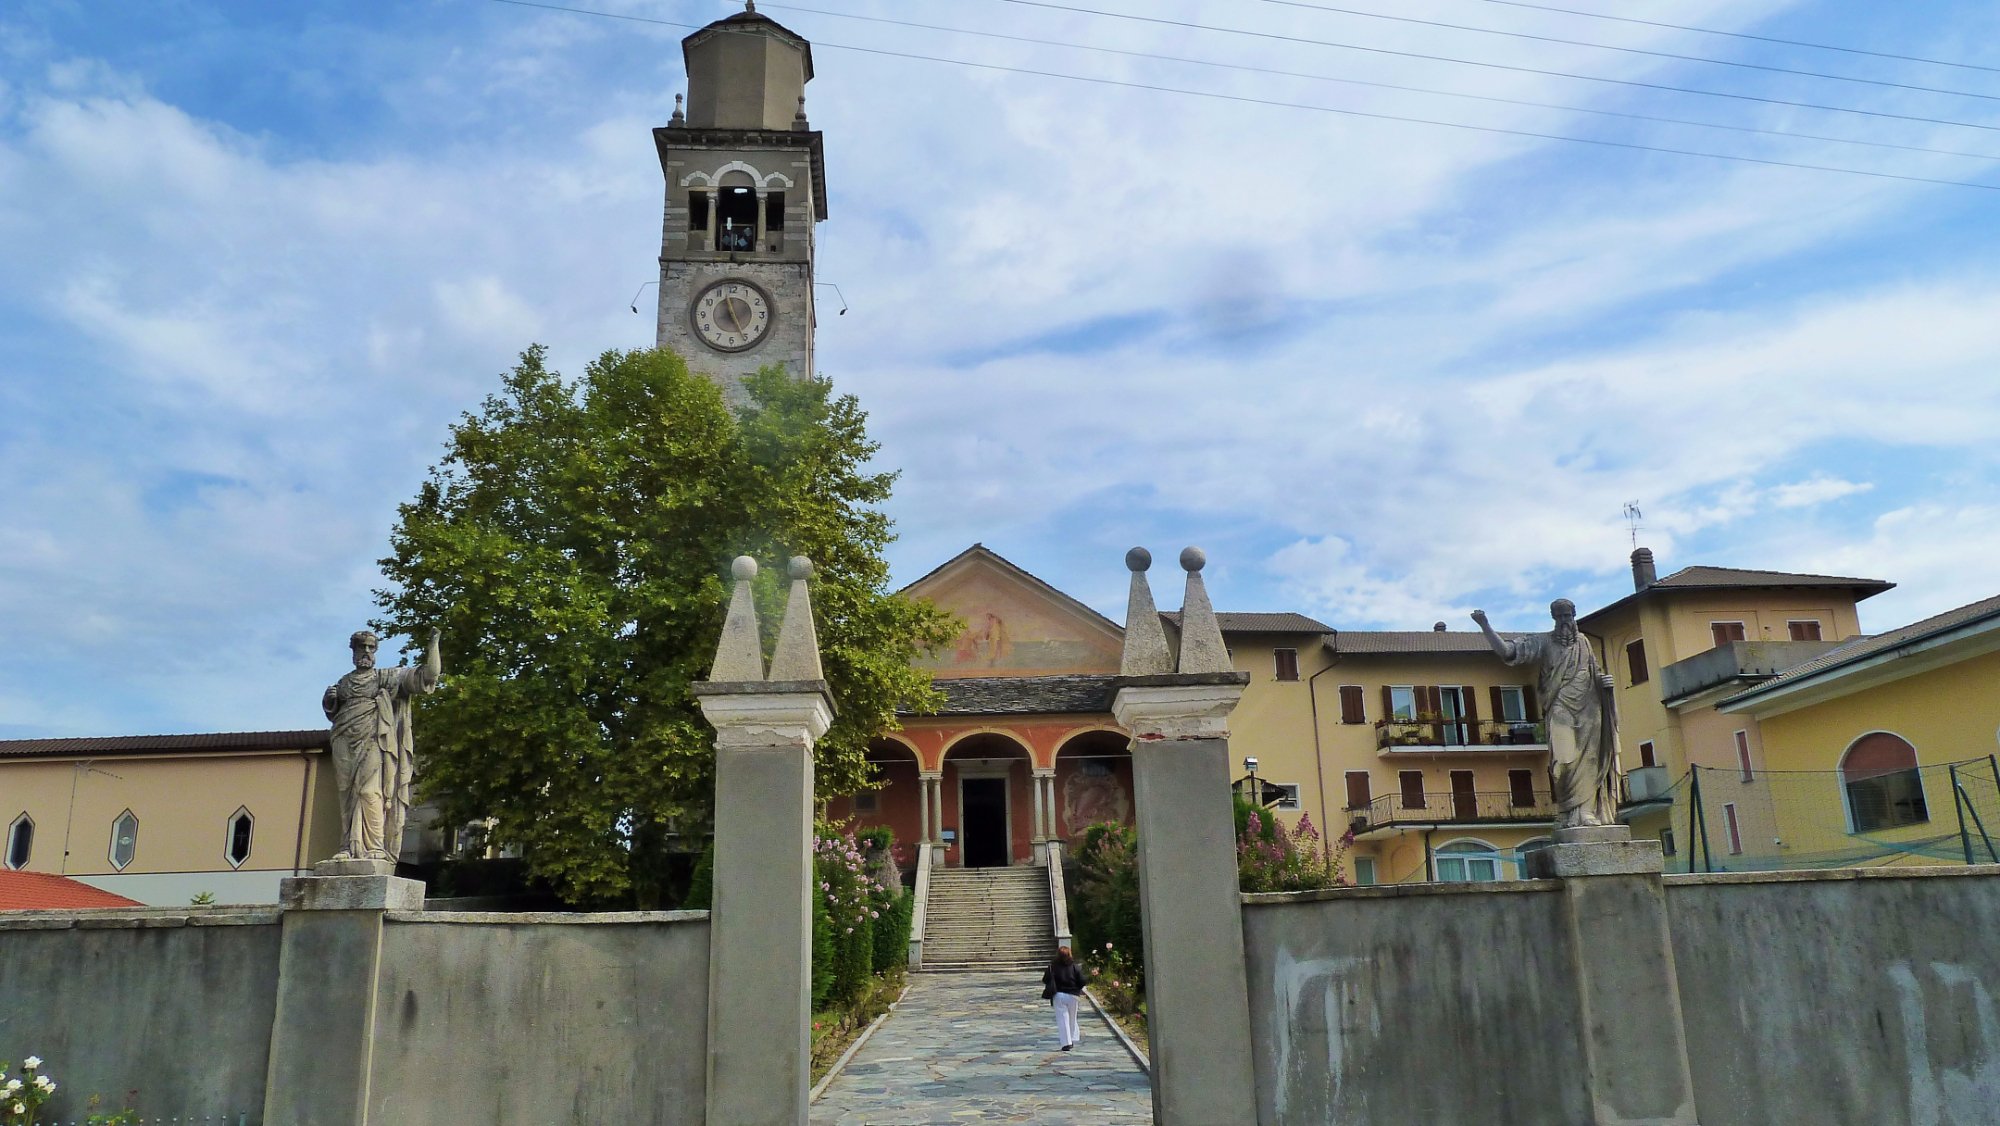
{"x": 1089, "y": 798}
{"x": 1013, "y": 624}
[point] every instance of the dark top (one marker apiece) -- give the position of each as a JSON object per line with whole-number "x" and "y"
{"x": 1062, "y": 979}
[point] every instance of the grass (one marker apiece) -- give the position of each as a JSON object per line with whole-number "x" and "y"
{"x": 834, "y": 1030}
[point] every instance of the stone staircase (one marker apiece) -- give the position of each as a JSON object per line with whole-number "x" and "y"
{"x": 988, "y": 919}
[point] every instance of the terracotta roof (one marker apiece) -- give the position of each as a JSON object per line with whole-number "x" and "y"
{"x": 46, "y": 891}
{"x": 1861, "y": 648}
{"x": 1738, "y": 578}
{"x": 1025, "y": 695}
{"x": 244, "y": 741}
{"x": 1236, "y": 622}
{"x": 1362, "y": 641}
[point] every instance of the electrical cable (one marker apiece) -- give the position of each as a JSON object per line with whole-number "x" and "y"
{"x": 1496, "y": 66}
{"x": 1247, "y": 100}
{"x": 1628, "y": 115}
{"x": 1747, "y": 35}
{"x": 1306, "y": 4}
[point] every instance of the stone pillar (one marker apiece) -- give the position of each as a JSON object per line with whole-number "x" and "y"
{"x": 760, "y": 921}
{"x": 924, "y": 806}
{"x": 1048, "y": 780}
{"x": 1634, "y": 1041}
{"x": 937, "y": 818}
{"x": 1038, "y": 837}
{"x": 1197, "y": 999}
{"x": 330, "y": 957}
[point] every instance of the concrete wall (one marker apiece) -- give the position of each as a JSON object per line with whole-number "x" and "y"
{"x": 1414, "y": 1004}
{"x": 542, "y": 1018}
{"x": 1858, "y": 996}
{"x": 175, "y": 1006}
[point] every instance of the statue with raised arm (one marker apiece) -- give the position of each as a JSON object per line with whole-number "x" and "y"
{"x": 374, "y": 747}
{"x": 1577, "y": 706}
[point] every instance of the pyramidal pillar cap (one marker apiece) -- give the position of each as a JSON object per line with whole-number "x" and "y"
{"x": 797, "y": 656}
{"x": 1202, "y": 649}
{"x": 1146, "y": 652}
{"x": 739, "y": 658}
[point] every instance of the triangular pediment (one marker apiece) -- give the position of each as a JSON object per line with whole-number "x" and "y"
{"x": 1015, "y": 624}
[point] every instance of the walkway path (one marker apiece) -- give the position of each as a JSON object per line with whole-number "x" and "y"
{"x": 982, "y": 1048}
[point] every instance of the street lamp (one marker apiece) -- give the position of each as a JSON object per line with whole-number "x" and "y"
{"x": 1250, "y": 768}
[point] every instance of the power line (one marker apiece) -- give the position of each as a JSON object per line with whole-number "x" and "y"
{"x": 1631, "y": 50}
{"x": 1747, "y": 35}
{"x": 1628, "y": 115}
{"x": 1247, "y": 100}
{"x": 1500, "y": 66}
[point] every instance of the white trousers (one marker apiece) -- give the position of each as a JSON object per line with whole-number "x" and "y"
{"x": 1066, "y": 1018}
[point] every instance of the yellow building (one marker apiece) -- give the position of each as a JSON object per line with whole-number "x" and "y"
{"x": 1880, "y": 751}
{"x": 164, "y": 818}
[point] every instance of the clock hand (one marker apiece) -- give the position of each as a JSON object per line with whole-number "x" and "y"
{"x": 735, "y": 322}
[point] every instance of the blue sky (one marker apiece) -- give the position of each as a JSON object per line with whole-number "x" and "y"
{"x": 259, "y": 257}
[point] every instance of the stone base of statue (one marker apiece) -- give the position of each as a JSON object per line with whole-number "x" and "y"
{"x": 351, "y": 885}
{"x": 1595, "y": 850}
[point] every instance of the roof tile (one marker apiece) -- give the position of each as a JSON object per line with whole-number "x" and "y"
{"x": 46, "y": 891}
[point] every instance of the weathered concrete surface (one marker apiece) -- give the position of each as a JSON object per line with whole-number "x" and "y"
{"x": 175, "y": 1005}
{"x": 1415, "y": 1004}
{"x": 321, "y": 1038}
{"x": 1857, "y": 997}
{"x": 1635, "y": 1056}
{"x": 538, "y": 1019}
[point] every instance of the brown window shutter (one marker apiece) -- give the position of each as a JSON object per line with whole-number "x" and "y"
{"x": 1351, "y": 710}
{"x": 1358, "y": 795}
{"x": 1531, "y": 705}
{"x": 1521, "y": 787}
{"x": 1388, "y": 702}
{"x": 1412, "y": 782}
{"x": 1805, "y": 631}
{"x": 1285, "y": 663}
{"x": 1471, "y": 697}
{"x": 1646, "y": 755}
{"x": 1498, "y": 701}
{"x": 1635, "y": 662}
{"x": 1433, "y": 699}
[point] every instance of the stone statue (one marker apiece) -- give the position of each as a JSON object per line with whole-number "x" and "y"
{"x": 374, "y": 748}
{"x": 1577, "y": 706}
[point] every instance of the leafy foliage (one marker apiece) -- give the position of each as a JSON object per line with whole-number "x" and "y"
{"x": 1104, "y": 901}
{"x": 573, "y": 546}
{"x": 1270, "y": 859}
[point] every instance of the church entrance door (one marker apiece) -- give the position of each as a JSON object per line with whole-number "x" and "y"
{"x": 983, "y": 822}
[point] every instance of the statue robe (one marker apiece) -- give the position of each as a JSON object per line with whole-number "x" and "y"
{"x": 1584, "y": 775}
{"x": 374, "y": 756}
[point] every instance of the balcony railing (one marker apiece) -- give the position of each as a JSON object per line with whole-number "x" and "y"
{"x": 1396, "y": 734}
{"x": 1449, "y": 808}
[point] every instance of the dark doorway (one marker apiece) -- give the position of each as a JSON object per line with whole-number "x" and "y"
{"x": 983, "y": 822}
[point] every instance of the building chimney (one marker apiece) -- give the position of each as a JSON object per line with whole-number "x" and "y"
{"x": 1437, "y": 627}
{"x": 1643, "y": 574}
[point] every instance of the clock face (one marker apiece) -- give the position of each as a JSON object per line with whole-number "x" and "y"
{"x": 730, "y": 316}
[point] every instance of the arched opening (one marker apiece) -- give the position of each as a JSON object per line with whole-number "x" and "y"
{"x": 736, "y": 207}
{"x": 1467, "y": 861}
{"x": 895, "y": 800}
{"x": 1093, "y": 782}
{"x": 1881, "y": 783}
{"x": 987, "y": 802}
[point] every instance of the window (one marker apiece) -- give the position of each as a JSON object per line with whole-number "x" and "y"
{"x": 1667, "y": 842}
{"x": 1290, "y": 790}
{"x": 1521, "y": 788}
{"x": 1286, "y": 662}
{"x": 1726, "y": 632}
{"x": 736, "y": 219}
{"x": 1647, "y": 756}
{"x": 867, "y": 801}
{"x": 774, "y": 211}
{"x": 124, "y": 840}
{"x": 697, "y": 211}
{"x": 1743, "y": 756}
{"x": 1735, "y": 832}
{"x": 1351, "y": 709}
{"x": 1804, "y": 631}
{"x": 1464, "y": 799}
{"x": 1402, "y": 702}
{"x": 1454, "y": 708}
{"x": 236, "y": 848}
{"x": 1510, "y": 704}
{"x": 20, "y": 841}
{"x": 1358, "y": 793}
{"x": 1635, "y": 662}
{"x": 1364, "y": 871}
{"x": 1467, "y": 862}
{"x": 1412, "y": 782}
{"x": 1884, "y": 790}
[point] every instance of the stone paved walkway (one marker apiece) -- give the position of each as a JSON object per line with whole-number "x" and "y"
{"x": 982, "y": 1048}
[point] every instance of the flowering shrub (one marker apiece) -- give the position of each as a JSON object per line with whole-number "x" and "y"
{"x": 22, "y": 1096}
{"x": 1117, "y": 978}
{"x": 1270, "y": 859}
{"x": 1104, "y": 905}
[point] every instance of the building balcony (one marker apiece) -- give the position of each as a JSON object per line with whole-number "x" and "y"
{"x": 1430, "y": 737}
{"x": 1648, "y": 790}
{"x": 1734, "y": 665}
{"x": 1431, "y": 809}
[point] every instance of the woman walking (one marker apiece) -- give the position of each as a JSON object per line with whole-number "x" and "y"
{"x": 1062, "y": 984}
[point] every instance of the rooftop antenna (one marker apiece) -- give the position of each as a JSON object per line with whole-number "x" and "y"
{"x": 1632, "y": 515}
{"x": 635, "y": 294}
{"x": 836, "y": 293}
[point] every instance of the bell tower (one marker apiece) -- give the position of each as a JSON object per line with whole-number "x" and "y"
{"x": 745, "y": 180}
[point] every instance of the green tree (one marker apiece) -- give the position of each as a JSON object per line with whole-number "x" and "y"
{"x": 574, "y": 546}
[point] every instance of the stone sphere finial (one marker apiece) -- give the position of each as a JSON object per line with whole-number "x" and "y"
{"x": 802, "y": 568}
{"x": 1193, "y": 559}
{"x": 745, "y": 568}
{"x": 1138, "y": 559}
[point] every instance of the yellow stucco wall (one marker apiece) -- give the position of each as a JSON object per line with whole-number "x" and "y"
{"x": 1948, "y": 714}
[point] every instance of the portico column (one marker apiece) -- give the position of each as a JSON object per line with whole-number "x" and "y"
{"x": 1197, "y": 999}
{"x": 1040, "y": 833}
{"x": 925, "y": 826}
{"x": 1055, "y": 831}
{"x": 759, "y": 924}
